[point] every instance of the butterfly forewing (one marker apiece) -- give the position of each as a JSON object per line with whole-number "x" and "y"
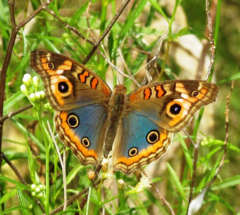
{"x": 68, "y": 83}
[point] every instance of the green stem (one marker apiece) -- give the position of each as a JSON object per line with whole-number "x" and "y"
{"x": 169, "y": 37}
{"x": 47, "y": 162}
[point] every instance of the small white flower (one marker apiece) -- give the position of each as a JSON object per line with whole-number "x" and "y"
{"x": 121, "y": 183}
{"x": 27, "y": 80}
{"x": 37, "y": 190}
{"x": 42, "y": 187}
{"x": 40, "y": 195}
{"x": 33, "y": 186}
{"x": 35, "y": 81}
{"x": 32, "y": 97}
{"x": 38, "y": 96}
{"x": 105, "y": 164}
{"x": 108, "y": 174}
{"x": 24, "y": 90}
{"x": 33, "y": 193}
{"x": 142, "y": 185}
{"x": 42, "y": 95}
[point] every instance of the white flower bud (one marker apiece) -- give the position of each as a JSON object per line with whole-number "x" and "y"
{"x": 32, "y": 97}
{"x": 35, "y": 81}
{"x": 27, "y": 79}
{"x": 24, "y": 90}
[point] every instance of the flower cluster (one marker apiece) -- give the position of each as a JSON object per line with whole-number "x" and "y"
{"x": 37, "y": 190}
{"x": 30, "y": 89}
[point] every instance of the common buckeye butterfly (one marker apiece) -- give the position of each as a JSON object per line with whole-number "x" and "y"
{"x": 91, "y": 119}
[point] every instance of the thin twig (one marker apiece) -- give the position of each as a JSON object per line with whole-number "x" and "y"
{"x": 119, "y": 12}
{"x": 15, "y": 170}
{"x": 21, "y": 179}
{"x": 3, "y": 73}
{"x": 64, "y": 179}
{"x": 159, "y": 195}
{"x": 10, "y": 114}
{"x": 88, "y": 22}
{"x": 73, "y": 198}
{"x": 195, "y": 159}
{"x": 226, "y": 137}
{"x": 206, "y": 44}
{"x": 68, "y": 26}
{"x": 212, "y": 47}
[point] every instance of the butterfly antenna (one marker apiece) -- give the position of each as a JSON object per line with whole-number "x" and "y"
{"x": 112, "y": 65}
{"x": 140, "y": 70}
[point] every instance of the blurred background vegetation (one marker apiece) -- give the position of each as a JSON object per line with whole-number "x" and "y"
{"x": 147, "y": 24}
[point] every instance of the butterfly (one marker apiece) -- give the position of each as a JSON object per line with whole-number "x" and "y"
{"x": 93, "y": 120}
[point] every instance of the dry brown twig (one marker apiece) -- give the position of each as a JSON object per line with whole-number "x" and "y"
{"x": 160, "y": 197}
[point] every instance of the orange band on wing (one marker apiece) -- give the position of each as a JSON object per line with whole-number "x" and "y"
{"x": 151, "y": 149}
{"x": 94, "y": 83}
{"x": 160, "y": 91}
{"x": 147, "y": 93}
{"x": 83, "y": 76}
{"x": 74, "y": 138}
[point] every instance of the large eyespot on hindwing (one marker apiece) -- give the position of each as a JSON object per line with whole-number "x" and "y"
{"x": 73, "y": 120}
{"x": 86, "y": 142}
{"x": 152, "y": 136}
{"x": 132, "y": 152}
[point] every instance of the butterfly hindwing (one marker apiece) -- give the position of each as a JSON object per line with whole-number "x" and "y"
{"x": 83, "y": 130}
{"x": 139, "y": 142}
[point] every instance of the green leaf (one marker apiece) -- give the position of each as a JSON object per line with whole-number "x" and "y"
{"x": 131, "y": 20}
{"x": 14, "y": 99}
{"x": 229, "y": 182}
{"x": 22, "y": 200}
{"x": 8, "y": 196}
{"x": 25, "y": 131}
{"x": 186, "y": 153}
{"x": 12, "y": 209}
{"x": 70, "y": 177}
{"x": 10, "y": 180}
{"x": 177, "y": 182}
{"x": 11, "y": 155}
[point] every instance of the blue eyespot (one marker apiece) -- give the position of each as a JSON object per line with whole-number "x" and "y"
{"x": 133, "y": 151}
{"x": 73, "y": 120}
{"x": 153, "y": 136}
{"x": 86, "y": 142}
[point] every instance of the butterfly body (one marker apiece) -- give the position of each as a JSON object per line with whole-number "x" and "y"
{"x": 92, "y": 120}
